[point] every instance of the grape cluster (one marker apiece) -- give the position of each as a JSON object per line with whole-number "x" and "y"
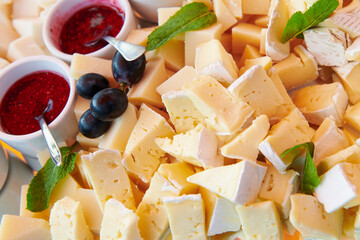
{"x": 107, "y": 103}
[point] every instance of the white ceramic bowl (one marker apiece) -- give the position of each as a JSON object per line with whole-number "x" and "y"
{"x": 63, "y": 9}
{"x": 64, "y": 127}
{"x": 147, "y": 9}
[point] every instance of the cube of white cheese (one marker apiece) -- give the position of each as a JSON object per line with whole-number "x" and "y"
{"x": 290, "y": 131}
{"x": 240, "y": 182}
{"x": 24, "y": 228}
{"x": 235, "y": 7}
{"x": 119, "y": 222}
{"x": 212, "y": 59}
{"x": 25, "y": 8}
{"x": 338, "y": 186}
{"x": 30, "y": 27}
{"x": 309, "y": 217}
{"x": 108, "y": 177}
{"x": 183, "y": 113}
{"x": 223, "y": 14}
{"x": 142, "y": 155}
{"x": 23, "y": 47}
{"x": 320, "y": 101}
{"x": 67, "y": 221}
{"x": 8, "y": 35}
{"x": 224, "y": 114}
{"x": 278, "y": 187}
{"x": 260, "y": 220}
{"x": 328, "y": 139}
{"x": 327, "y": 45}
{"x": 198, "y": 146}
{"x": 186, "y": 216}
{"x": 245, "y": 145}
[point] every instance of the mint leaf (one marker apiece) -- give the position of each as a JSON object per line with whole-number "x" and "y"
{"x": 300, "y": 22}
{"x": 42, "y": 184}
{"x": 308, "y": 175}
{"x": 193, "y": 16}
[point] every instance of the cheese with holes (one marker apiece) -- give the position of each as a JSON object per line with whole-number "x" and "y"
{"x": 290, "y": 131}
{"x": 67, "y": 221}
{"x": 108, "y": 177}
{"x": 328, "y": 139}
{"x": 245, "y": 34}
{"x": 178, "y": 80}
{"x": 17, "y": 227}
{"x": 239, "y": 183}
{"x": 212, "y": 59}
{"x": 182, "y": 111}
{"x": 297, "y": 69}
{"x": 119, "y": 222}
{"x": 142, "y": 156}
{"x": 309, "y": 217}
{"x": 245, "y": 145}
{"x": 223, "y": 113}
{"x": 221, "y": 215}
{"x": 198, "y": 146}
{"x": 278, "y": 187}
{"x": 348, "y": 74}
{"x": 260, "y": 220}
{"x": 186, "y": 216}
{"x": 338, "y": 186}
{"x": 118, "y": 134}
{"x": 320, "y": 101}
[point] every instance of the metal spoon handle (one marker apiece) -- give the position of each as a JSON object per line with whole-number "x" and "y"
{"x": 54, "y": 150}
{"x": 128, "y": 50}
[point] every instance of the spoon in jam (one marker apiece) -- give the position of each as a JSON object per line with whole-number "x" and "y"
{"x": 54, "y": 150}
{"x": 128, "y": 50}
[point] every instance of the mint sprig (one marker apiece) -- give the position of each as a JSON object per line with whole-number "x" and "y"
{"x": 193, "y": 16}
{"x": 299, "y": 22}
{"x": 308, "y": 171}
{"x": 43, "y": 182}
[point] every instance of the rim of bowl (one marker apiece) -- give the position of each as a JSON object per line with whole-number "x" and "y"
{"x": 68, "y": 105}
{"x": 128, "y": 21}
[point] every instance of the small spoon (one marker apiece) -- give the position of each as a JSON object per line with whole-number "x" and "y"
{"x": 128, "y": 50}
{"x": 54, "y": 150}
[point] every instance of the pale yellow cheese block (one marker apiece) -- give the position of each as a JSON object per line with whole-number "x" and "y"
{"x": 145, "y": 90}
{"x": 264, "y": 61}
{"x": 262, "y": 21}
{"x": 86, "y": 142}
{"x": 24, "y": 228}
{"x": 225, "y": 40}
{"x": 81, "y": 106}
{"x": 348, "y": 74}
{"x": 223, "y": 14}
{"x": 25, "y": 8}
{"x": 352, "y": 116}
{"x": 30, "y": 27}
{"x": 250, "y": 52}
{"x": 23, "y": 47}
{"x": 235, "y": 6}
{"x": 3, "y": 63}
{"x": 243, "y": 34}
{"x": 256, "y": 7}
{"x": 164, "y": 14}
{"x": 139, "y": 36}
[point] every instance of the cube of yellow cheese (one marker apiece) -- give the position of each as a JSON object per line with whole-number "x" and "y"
{"x": 348, "y": 74}
{"x": 9, "y": 35}
{"x": 139, "y": 36}
{"x": 243, "y": 34}
{"x": 30, "y": 27}
{"x": 212, "y": 59}
{"x": 223, "y": 14}
{"x": 23, "y": 47}
{"x": 164, "y": 14}
{"x": 86, "y": 142}
{"x": 142, "y": 156}
{"x": 265, "y": 62}
{"x": 257, "y": 7}
{"x": 67, "y": 221}
{"x": 235, "y": 7}
{"x": 25, "y": 8}
{"x": 250, "y": 52}
{"x": 223, "y": 112}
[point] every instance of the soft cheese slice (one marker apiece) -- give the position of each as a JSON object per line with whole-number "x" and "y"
{"x": 278, "y": 19}
{"x": 290, "y": 131}
{"x": 297, "y": 69}
{"x": 240, "y": 182}
{"x": 178, "y": 80}
{"x": 221, "y": 215}
{"x": 278, "y": 187}
{"x": 142, "y": 156}
{"x": 346, "y": 21}
{"x": 338, "y": 186}
{"x": 348, "y": 74}
{"x": 24, "y": 228}
{"x": 309, "y": 217}
{"x": 258, "y": 90}
{"x": 186, "y": 217}
{"x": 328, "y": 139}
{"x": 212, "y": 59}
{"x": 118, "y": 134}
{"x": 318, "y": 102}
{"x": 183, "y": 113}
{"x": 223, "y": 14}
{"x": 119, "y": 222}
{"x": 245, "y": 34}
{"x": 223, "y": 113}
{"x": 153, "y": 220}
{"x": 245, "y": 145}
{"x": 260, "y": 220}
{"x": 67, "y": 221}
{"x": 108, "y": 177}
{"x": 327, "y": 45}
{"x": 198, "y": 146}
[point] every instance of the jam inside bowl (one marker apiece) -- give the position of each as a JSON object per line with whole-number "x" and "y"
{"x": 38, "y": 72}
{"x": 70, "y": 25}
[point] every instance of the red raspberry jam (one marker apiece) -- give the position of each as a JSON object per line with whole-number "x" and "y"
{"x": 28, "y": 97}
{"x": 88, "y": 24}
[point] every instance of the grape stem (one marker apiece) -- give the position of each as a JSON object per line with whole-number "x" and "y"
{"x": 124, "y": 87}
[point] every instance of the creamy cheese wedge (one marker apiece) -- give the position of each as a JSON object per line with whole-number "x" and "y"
{"x": 348, "y": 74}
